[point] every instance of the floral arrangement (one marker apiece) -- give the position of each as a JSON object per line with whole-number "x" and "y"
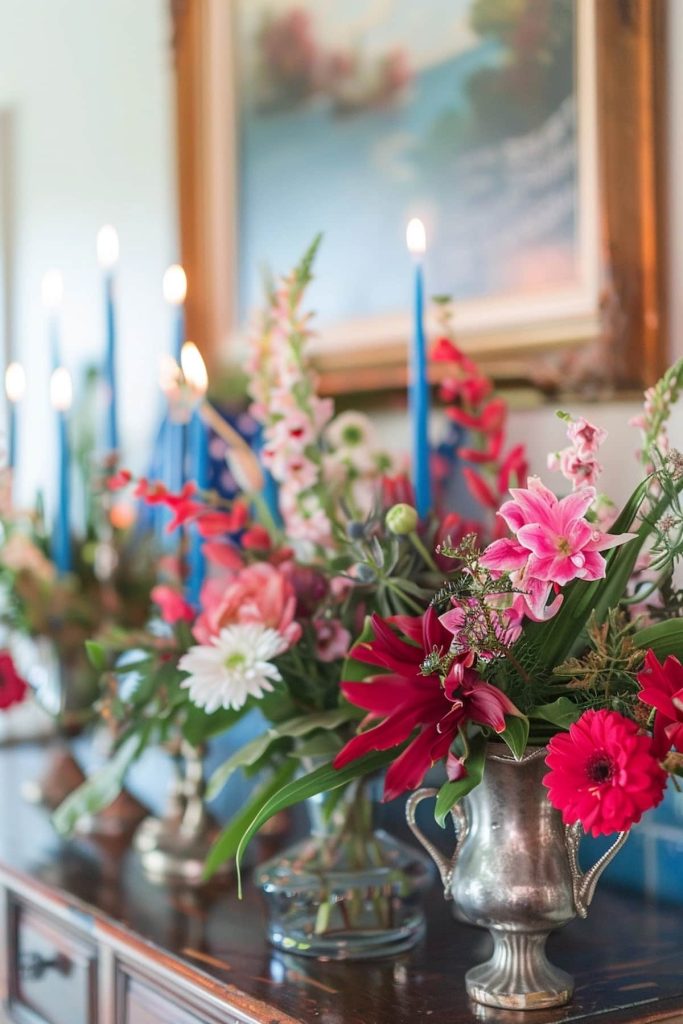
{"x": 290, "y": 585}
{"x": 539, "y": 638}
{"x": 109, "y": 582}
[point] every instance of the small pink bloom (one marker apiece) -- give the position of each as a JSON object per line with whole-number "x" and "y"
{"x": 585, "y": 437}
{"x": 455, "y": 768}
{"x": 333, "y": 640}
{"x": 172, "y": 605}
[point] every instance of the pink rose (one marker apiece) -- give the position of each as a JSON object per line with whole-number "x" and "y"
{"x": 259, "y": 593}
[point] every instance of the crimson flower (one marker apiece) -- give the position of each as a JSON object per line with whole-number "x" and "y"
{"x": 13, "y": 688}
{"x": 117, "y": 481}
{"x": 406, "y": 699}
{"x": 661, "y": 686}
{"x": 172, "y": 605}
{"x": 212, "y": 522}
{"x": 604, "y": 773}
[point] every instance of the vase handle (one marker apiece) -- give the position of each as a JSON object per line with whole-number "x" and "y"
{"x": 445, "y": 865}
{"x": 584, "y": 884}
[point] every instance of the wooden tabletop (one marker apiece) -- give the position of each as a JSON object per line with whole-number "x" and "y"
{"x": 627, "y": 958}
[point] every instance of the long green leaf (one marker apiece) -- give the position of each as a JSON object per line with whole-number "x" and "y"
{"x": 323, "y": 779}
{"x": 516, "y": 735}
{"x": 100, "y": 790}
{"x": 251, "y": 752}
{"x": 562, "y": 712}
{"x": 451, "y": 792}
{"x": 227, "y": 842}
{"x": 664, "y": 638}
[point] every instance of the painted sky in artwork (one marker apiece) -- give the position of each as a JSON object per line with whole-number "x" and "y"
{"x": 356, "y": 116}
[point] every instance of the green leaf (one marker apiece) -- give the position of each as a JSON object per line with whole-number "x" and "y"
{"x": 96, "y": 655}
{"x": 322, "y": 780}
{"x": 101, "y": 789}
{"x": 227, "y": 842}
{"x": 199, "y": 727}
{"x": 451, "y": 792}
{"x": 354, "y": 671}
{"x": 664, "y": 638}
{"x": 516, "y": 735}
{"x": 251, "y": 752}
{"x": 562, "y": 712}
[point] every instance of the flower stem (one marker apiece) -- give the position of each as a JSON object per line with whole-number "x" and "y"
{"x": 422, "y": 550}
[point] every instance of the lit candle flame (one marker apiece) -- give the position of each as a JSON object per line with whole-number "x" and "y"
{"x": 52, "y": 289}
{"x": 61, "y": 389}
{"x": 416, "y": 238}
{"x": 107, "y": 247}
{"x": 174, "y": 285}
{"x": 15, "y": 382}
{"x": 194, "y": 368}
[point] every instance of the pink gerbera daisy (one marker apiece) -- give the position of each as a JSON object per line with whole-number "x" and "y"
{"x": 603, "y": 773}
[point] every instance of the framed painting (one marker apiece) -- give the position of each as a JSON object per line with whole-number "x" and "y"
{"x": 523, "y": 133}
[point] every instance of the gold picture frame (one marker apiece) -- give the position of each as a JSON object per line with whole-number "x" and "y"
{"x": 626, "y": 79}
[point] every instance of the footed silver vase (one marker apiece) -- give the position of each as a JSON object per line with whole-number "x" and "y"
{"x": 515, "y": 871}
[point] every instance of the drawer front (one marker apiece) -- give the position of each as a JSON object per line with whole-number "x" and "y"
{"x": 140, "y": 999}
{"x": 52, "y": 969}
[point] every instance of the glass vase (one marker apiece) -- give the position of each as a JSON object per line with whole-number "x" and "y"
{"x": 348, "y": 891}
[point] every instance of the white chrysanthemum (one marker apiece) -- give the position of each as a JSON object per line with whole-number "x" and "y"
{"x": 233, "y": 667}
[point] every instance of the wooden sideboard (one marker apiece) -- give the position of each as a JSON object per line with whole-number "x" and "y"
{"x": 85, "y": 938}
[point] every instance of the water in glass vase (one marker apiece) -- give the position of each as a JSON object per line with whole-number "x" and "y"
{"x": 348, "y": 891}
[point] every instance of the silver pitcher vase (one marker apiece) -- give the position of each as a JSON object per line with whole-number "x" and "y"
{"x": 514, "y": 871}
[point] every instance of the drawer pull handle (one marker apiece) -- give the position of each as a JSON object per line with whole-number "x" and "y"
{"x": 33, "y": 966}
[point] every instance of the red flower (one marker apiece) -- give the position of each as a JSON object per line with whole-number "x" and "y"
{"x": 151, "y": 493}
{"x": 172, "y": 605}
{"x": 117, "y": 481}
{"x": 406, "y": 699}
{"x": 453, "y": 528}
{"x": 662, "y": 688}
{"x": 256, "y": 538}
{"x": 222, "y": 554}
{"x": 514, "y": 469}
{"x": 479, "y": 489}
{"x": 397, "y": 490}
{"x": 13, "y": 688}
{"x": 603, "y": 773}
{"x": 212, "y": 523}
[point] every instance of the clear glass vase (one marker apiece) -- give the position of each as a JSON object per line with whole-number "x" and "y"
{"x": 348, "y": 891}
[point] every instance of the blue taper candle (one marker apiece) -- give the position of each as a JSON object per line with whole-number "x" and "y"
{"x": 107, "y": 256}
{"x": 199, "y": 462}
{"x": 196, "y": 382}
{"x": 419, "y": 381}
{"x": 61, "y": 396}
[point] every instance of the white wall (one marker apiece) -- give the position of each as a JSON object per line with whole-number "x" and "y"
{"x": 90, "y": 89}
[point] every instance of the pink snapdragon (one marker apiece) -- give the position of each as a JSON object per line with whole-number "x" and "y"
{"x": 552, "y": 544}
{"x": 578, "y": 462}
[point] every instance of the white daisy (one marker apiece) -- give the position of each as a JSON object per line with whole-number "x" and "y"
{"x": 233, "y": 667}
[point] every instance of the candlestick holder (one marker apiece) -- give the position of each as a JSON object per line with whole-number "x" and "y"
{"x": 174, "y": 847}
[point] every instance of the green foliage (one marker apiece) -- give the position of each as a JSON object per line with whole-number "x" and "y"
{"x": 225, "y": 846}
{"x": 322, "y": 780}
{"x": 451, "y": 792}
{"x": 562, "y": 712}
{"x": 516, "y": 735}
{"x": 252, "y": 752}
{"x": 102, "y": 788}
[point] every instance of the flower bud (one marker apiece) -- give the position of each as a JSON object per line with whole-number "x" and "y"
{"x": 401, "y": 519}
